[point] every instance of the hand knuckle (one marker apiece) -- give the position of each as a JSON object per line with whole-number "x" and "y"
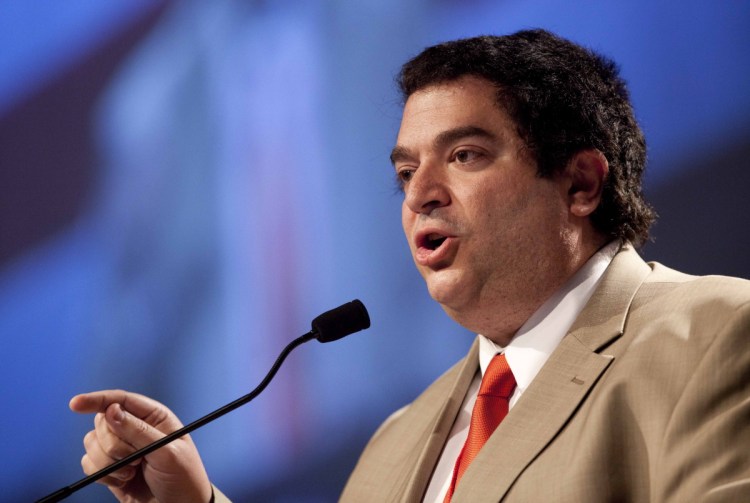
{"x": 89, "y": 439}
{"x": 87, "y": 465}
{"x": 141, "y": 426}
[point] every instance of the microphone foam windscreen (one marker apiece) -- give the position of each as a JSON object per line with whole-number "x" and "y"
{"x": 341, "y": 321}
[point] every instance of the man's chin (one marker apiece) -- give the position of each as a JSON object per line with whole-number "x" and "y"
{"x": 447, "y": 289}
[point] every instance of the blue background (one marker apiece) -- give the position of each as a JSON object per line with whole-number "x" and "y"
{"x": 185, "y": 185}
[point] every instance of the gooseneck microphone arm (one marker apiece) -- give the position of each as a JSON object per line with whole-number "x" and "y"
{"x": 329, "y": 326}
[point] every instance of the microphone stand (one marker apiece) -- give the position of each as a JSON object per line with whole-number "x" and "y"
{"x": 66, "y": 491}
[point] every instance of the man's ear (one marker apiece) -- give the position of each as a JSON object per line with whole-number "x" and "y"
{"x": 587, "y": 172}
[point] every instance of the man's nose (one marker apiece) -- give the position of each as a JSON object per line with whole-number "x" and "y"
{"x": 427, "y": 190}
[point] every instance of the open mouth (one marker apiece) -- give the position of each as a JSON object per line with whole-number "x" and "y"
{"x": 432, "y": 241}
{"x": 434, "y": 248}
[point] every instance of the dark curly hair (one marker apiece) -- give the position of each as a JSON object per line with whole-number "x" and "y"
{"x": 563, "y": 99}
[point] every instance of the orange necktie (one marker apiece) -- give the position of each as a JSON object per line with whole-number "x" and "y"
{"x": 490, "y": 408}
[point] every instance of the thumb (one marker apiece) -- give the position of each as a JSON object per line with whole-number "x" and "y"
{"x": 131, "y": 429}
{"x": 173, "y": 472}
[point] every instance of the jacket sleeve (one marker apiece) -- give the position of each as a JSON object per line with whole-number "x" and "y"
{"x": 705, "y": 447}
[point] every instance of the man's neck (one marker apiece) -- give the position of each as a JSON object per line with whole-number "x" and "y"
{"x": 500, "y": 319}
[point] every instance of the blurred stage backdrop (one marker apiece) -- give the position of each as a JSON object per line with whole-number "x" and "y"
{"x": 184, "y": 185}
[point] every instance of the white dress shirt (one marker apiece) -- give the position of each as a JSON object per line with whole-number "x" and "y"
{"x": 526, "y": 354}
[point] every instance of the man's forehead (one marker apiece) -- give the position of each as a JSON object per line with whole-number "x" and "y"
{"x": 441, "y": 114}
{"x": 462, "y": 102}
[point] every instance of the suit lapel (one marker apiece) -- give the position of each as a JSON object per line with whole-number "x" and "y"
{"x": 442, "y": 423}
{"x": 559, "y": 388}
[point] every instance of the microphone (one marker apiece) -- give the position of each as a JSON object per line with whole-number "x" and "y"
{"x": 341, "y": 321}
{"x": 330, "y": 326}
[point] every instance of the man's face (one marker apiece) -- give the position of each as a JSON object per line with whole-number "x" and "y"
{"x": 485, "y": 231}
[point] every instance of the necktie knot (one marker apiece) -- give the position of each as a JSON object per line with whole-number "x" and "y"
{"x": 498, "y": 379}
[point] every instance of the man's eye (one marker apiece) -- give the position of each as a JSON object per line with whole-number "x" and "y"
{"x": 464, "y": 156}
{"x": 403, "y": 176}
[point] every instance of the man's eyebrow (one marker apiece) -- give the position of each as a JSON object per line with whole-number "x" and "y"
{"x": 401, "y": 153}
{"x": 455, "y": 134}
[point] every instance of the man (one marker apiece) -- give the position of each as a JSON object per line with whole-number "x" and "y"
{"x": 521, "y": 163}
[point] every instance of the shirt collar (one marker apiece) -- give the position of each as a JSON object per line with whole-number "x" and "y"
{"x": 539, "y": 336}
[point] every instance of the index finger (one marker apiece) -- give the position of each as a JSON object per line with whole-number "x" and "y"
{"x": 98, "y": 401}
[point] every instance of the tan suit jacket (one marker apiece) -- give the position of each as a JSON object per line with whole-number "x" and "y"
{"x": 646, "y": 399}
